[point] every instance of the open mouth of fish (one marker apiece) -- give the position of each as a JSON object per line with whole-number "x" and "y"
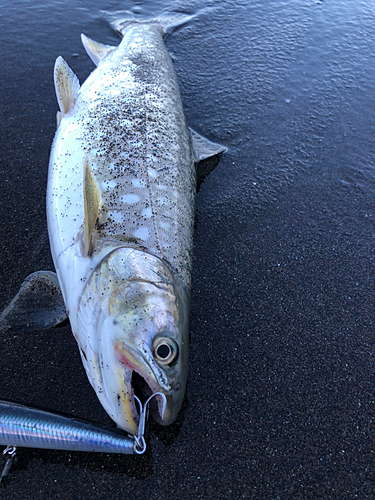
{"x": 142, "y": 391}
{"x": 143, "y": 378}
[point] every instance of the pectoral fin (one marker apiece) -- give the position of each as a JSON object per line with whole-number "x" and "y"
{"x": 207, "y": 155}
{"x": 39, "y": 304}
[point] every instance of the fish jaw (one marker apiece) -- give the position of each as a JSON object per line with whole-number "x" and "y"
{"x": 136, "y": 310}
{"x": 158, "y": 380}
{"x": 131, "y": 359}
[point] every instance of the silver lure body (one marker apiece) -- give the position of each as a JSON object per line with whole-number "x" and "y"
{"x": 32, "y": 428}
{"x": 120, "y": 210}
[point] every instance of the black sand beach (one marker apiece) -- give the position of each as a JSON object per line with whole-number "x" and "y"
{"x": 280, "y": 401}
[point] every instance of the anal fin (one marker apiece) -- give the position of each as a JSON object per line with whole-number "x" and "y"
{"x": 66, "y": 85}
{"x": 203, "y": 148}
{"x": 95, "y": 50}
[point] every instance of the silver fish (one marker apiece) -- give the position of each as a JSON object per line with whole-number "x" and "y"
{"x": 120, "y": 210}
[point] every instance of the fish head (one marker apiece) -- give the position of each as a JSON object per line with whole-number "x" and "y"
{"x": 141, "y": 330}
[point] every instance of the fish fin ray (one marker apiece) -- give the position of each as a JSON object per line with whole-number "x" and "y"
{"x": 207, "y": 155}
{"x": 168, "y": 21}
{"x": 66, "y": 85}
{"x": 95, "y": 50}
{"x": 38, "y": 305}
{"x": 91, "y": 196}
{"x": 203, "y": 148}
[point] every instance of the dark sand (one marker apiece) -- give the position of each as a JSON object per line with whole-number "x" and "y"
{"x": 280, "y": 402}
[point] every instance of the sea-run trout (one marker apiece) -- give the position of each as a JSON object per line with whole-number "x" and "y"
{"x": 120, "y": 208}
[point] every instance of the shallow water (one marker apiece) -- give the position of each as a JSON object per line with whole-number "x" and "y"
{"x": 280, "y": 401}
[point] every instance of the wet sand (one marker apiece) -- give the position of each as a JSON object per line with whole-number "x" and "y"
{"x": 280, "y": 400}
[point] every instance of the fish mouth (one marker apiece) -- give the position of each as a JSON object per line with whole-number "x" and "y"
{"x": 146, "y": 379}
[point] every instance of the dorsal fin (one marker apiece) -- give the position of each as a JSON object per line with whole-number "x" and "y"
{"x": 95, "y": 50}
{"x": 207, "y": 155}
{"x": 203, "y": 148}
{"x": 91, "y": 197}
{"x": 66, "y": 85}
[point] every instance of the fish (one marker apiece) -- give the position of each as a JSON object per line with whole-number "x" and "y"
{"x": 120, "y": 211}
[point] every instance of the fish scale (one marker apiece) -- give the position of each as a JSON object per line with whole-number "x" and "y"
{"x": 138, "y": 147}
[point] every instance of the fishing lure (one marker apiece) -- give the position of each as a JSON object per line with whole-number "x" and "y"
{"x": 23, "y": 426}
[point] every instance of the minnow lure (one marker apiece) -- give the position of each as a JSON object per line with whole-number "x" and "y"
{"x": 23, "y": 426}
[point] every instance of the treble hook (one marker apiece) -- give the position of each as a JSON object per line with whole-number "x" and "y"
{"x": 10, "y": 454}
{"x": 139, "y": 439}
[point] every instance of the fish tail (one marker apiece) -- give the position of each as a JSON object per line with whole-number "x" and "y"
{"x": 169, "y": 21}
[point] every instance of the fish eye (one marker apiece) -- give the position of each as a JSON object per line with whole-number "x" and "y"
{"x": 165, "y": 351}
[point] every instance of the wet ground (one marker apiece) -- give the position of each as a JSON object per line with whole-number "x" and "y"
{"x": 281, "y": 400}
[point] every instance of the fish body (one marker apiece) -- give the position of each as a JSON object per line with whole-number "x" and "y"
{"x": 120, "y": 211}
{"x": 32, "y": 428}
{"x": 128, "y": 128}
{"x": 120, "y": 208}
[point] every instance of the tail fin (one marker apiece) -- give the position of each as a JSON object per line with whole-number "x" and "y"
{"x": 169, "y": 21}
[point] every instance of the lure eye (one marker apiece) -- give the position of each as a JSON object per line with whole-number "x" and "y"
{"x": 165, "y": 351}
